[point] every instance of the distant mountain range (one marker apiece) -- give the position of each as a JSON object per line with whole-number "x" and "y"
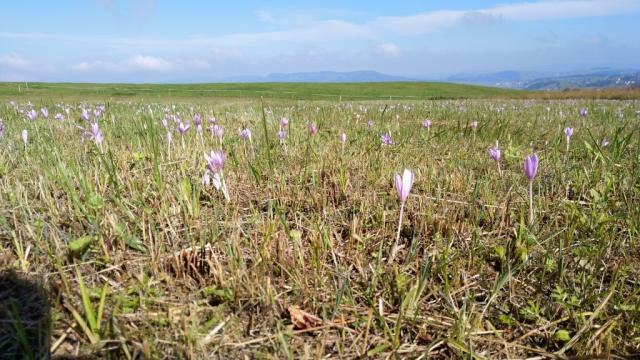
{"x": 593, "y": 78}
{"x": 528, "y": 80}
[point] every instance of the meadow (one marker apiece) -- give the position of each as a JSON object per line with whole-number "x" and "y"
{"x": 149, "y": 227}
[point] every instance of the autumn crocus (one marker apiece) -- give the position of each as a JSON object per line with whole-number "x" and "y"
{"x": 496, "y": 154}
{"x": 197, "y": 121}
{"x": 386, "y": 139}
{"x": 284, "y": 122}
{"x": 584, "y": 112}
{"x": 59, "y": 117}
{"x": 215, "y": 163}
{"x": 370, "y": 123}
{"x": 1, "y": 128}
{"x": 95, "y": 134}
{"x": 245, "y": 135}
{"x": 568, "y": 132}
{"x": 530, "y": 171}
{"x": 313, "y": 129}
{"x": 403, "y": 186}
{"x": 45, "y": 112}
{"x": 32, "y": 115}
{"x": 182, "y": 129}
{"x": 216, "y": 130}
{"x": 427, "y": 124}
{"x": 85, "y": 115}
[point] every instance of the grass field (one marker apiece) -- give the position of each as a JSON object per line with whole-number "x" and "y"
{"x": 113, "y": 246}
{"x": 286, "y": 91}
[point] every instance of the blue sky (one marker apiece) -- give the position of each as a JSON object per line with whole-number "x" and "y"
{"x": 163, "y": 40}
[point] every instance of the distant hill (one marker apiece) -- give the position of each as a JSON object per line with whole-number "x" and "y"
{"x": 509, "y": 79}
{"x": 586, "y": 79}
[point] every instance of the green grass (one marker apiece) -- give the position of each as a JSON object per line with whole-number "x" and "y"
{"x": 292, "y": 91}
{"x": 138, "y": 257}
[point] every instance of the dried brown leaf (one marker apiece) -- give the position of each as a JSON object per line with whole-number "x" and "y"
{"x": 303, "y": 320}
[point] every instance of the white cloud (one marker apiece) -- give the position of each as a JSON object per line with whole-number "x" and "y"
{"x": 333, "y": 31}
{"x": 96, "y": 66}
{"x": 388, "y": 49}
{"x": 140, "y": 63}
{"x": 524, "y": 11}
{"x": 15, "y": 62}
{"x": 148, "y": 63}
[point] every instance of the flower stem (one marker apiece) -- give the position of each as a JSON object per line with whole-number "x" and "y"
{"x": 530, "y": 202}
{"x": 396, "y": 245}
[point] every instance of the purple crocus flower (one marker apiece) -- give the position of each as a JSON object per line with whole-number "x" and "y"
{"x": 216, "y": 130}
{"x": 182, "y": 128}
{"x": 45, "y": 112}
{"x": 215, "y": 160}
{"x": 85, "y": 115}
{"x": 426, "y": 124}
{"x": 370, "y": 123}
{"x": 530, "y": 170}
{"x": 584, "y": 112}
{"x": 343, "y": 137}
{"x": 531, "y": 166}
{"x": 284, "y": 122}
{"x": 32, "y": 115}
{"x": 245, "y": 134}
{"x": 495, "y": 154}
{"x": 281, "y": 135}
{"x": 313, "y": 128}
{"x": 403, "y": 184}
{"x": 95, "y": 134}
{"x": 568, "y": 132}
{"x": 59, "y": 117}
{"x": 97, "y": 113}
{"x": 197, "y": 121}
{"x": 1, "y": 128}
{"x": 474, "y": 125}
{"x": 386, "y": 139}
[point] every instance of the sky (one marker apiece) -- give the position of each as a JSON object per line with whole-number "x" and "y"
{"x": 198, "y": 40}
